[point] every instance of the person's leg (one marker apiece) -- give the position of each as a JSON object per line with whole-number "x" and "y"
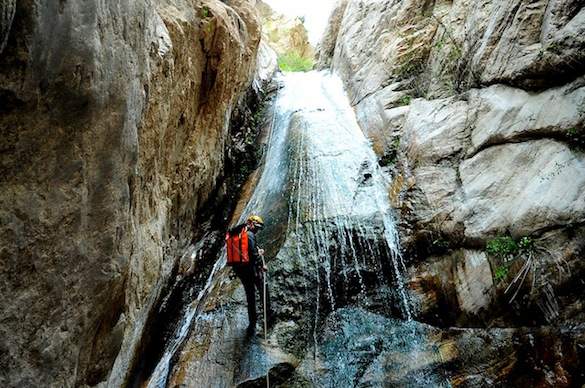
{"x": 259, "y": 280}
{"x": 247, "y": 278}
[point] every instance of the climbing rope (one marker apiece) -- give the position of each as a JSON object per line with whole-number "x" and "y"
{"x": 264, "y": 278}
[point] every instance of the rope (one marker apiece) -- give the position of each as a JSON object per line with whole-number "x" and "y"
{"x": 265, "y": 275}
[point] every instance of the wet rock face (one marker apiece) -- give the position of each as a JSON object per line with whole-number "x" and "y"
{"x": 336, "y": 249}
{"x": 477, "y": 111}
{"x": 114, "y": 125}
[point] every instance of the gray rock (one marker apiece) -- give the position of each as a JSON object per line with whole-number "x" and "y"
{"x": 435, "y": 130}
{"x": 547, "y": 190}
{"x": 438, "y": 200}
{"x": 474, "y": 282}
{"x": 504, "y": 114}
{"x": 7, "y": 11}
{"x": 326, "y": 47}
{"x": 491, "y": 144}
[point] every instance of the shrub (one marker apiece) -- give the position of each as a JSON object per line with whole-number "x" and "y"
{"x": 404, "y": 100}
{"x": 576, "y": 138}
{"x": 506, "y": 250}
{"x": 501, "y": 273}
{"x": 526, "y": 244}
{"x": 502, "y": 247}
{"x": 292, "y": 61}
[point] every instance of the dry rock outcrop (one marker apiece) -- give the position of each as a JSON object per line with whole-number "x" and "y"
{"x": 284, "y": 34}
{"x": 114, "y": 121}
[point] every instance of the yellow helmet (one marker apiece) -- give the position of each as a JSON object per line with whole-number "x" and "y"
{"x": 256, "y": 219}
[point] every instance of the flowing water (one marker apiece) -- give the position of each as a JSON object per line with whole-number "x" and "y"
{"x": 338, "y": 189}
{"x": 322, "y": 188}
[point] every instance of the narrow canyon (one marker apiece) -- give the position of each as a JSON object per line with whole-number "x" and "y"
{"x": 421, "y": 173}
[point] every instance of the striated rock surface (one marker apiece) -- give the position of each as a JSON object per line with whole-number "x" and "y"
{"x": 114, "y": 120}
{"x": 326, "y": 47}
{"x": 477, "y": 110}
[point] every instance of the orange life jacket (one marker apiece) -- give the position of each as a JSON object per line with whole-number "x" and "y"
{"x": 237, "y": 247}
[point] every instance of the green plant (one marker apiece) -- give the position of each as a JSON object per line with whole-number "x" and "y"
{"x": 554, "y": 48}
{"x": 502, "y": 247}
{"x": 205, "y": 12}
{"x": 501, "y": 273}
{"x": 454, "y": 54}
{"x": 506, "y": 249}
{"x": 410, "y": 67}
{"x": 404, "y": 100}
{"x": 576, "y": 138}
{"x": 440, "y": 243}
{"x": 396, "y": 143}
{"x": 526, "y": 244}
{"x": 387, "y": 159}
{"x": 292, "y": 61}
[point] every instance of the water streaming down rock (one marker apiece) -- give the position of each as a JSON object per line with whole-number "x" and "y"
{"x": 338, "y": 191}
{"x": 333, "y": 255}
{"x": 160, "y": 375}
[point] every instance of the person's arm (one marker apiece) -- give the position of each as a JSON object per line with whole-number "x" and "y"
{"x": 253, "y": 253}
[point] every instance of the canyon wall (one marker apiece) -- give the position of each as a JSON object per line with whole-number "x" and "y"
{"x": 115, "y": 131}
{"x": 477, "y": 111}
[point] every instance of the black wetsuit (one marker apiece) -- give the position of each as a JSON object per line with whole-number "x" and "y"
{"x": 251, "y": 276}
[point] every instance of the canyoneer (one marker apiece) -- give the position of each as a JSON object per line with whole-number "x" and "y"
{"x": 247, "y": 261}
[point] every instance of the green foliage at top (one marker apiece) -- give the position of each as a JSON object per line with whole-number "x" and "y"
{"x": 506, "y": 250}
{"x": 205, "y": 12}
{"x": 292, "y": 61}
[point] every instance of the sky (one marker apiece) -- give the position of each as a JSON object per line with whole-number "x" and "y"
{"x": 316, "y": 13}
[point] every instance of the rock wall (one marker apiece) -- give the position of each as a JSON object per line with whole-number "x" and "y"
{"x": 114, "y": 134}
{"x": 477, "y": 110}
{"x": 284, "y": 34}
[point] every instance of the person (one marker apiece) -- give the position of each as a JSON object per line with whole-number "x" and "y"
{"x": 252, "y": 274}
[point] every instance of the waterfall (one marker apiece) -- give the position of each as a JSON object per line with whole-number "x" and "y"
{"x": 337, "y": 185}
{"x": 321, "y": 185}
